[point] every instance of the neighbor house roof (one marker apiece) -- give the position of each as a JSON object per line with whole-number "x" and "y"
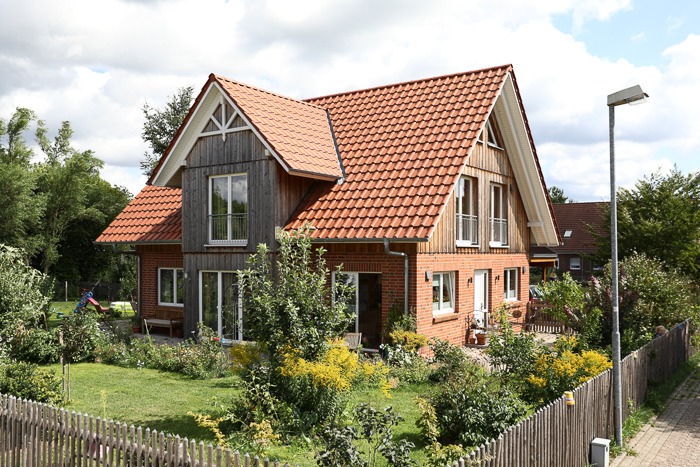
{"x": 579, "y": 223}
{"x": 153, "y": 216}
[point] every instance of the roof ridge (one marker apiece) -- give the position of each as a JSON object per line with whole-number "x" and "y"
{"x": 413, "y": 81}
{"x": 265, "y": 91}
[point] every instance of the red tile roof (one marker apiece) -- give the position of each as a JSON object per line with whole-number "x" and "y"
{"x": 299, "y": 132}
{"x": 581, "y": 219}
{"x": 403, "y": 147}
{"x": 154, "y": 215}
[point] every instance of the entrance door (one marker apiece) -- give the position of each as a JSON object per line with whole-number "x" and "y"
{"x": 366, "y": 303}
{"x": 481, "y": 297}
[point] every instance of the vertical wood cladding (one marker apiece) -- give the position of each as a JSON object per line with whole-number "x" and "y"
{"x": 486, "y": 165}
{"x": 272, "y": 197}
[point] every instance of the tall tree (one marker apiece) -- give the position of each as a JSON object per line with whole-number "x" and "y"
{"x": 557, "y": 195}
{"x": 20, "y": 209}
{"x": 660, "y": 217}
{"x": 161, "y": 124}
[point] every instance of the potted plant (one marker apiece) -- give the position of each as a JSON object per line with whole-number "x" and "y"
{"x": 481, "y": 338}
{"x": 136, "y": 323}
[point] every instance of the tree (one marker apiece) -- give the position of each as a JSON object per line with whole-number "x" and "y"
{"x": 660, "y": 217}
{"x": 16, "y": 149}
{"x": 162, "y": 124}
{"x": 557, "y": 195}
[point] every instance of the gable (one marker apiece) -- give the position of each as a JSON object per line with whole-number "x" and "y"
{"x": 297, "y": 134}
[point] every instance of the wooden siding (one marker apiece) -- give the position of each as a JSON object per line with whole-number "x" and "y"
{"x": 486, "y": 165}
{"x": 272, "y": 197}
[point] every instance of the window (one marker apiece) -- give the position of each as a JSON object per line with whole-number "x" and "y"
{"x": 575, "y": 263}
{"x": 170, "y": 291}
{"x": 567, "y": 234}
{"x": 498, "y": 221}
{"x": 466, "y": 215}
{"x": 510, "y": 284}
{"x": 443, "y": 292}
{"x": 221, "y": 306}
{"x": 492, "y": 137}
{"x": 228, "y": 209}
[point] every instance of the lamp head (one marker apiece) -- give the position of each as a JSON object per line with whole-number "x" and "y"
{"x": 633, "y": 95}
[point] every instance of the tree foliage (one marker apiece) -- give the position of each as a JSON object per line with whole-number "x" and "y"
{"x": 162, "y": 124}
{"x": 557, "y": 195}
{"x": 660, "y": 217}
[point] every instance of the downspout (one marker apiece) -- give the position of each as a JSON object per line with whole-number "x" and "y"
{"x": 405, "y": 273}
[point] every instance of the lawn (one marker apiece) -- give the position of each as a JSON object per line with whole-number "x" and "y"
{"x": 160, "y": 400}
{"x": 66, "y": 308}
{"x": 148, "y": 398}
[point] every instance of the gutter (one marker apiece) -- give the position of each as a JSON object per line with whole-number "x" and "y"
{"x": 405, "y": 273}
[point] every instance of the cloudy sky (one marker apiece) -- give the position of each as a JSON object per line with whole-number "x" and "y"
{"x": 96, "y": 62}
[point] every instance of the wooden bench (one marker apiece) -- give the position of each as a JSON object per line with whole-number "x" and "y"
{"x": 170, "y": 319}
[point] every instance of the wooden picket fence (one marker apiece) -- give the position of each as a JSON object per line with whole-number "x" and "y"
{"x": 37, "y": 435}
{"x": 560, "y": 435}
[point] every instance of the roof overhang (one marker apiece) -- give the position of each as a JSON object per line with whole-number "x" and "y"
{"x": 514, "y": 130}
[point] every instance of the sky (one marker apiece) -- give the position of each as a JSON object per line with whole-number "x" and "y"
{"x": 96, "y": 63}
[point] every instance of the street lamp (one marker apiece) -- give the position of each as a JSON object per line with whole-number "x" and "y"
{"x": 633, "y": 95}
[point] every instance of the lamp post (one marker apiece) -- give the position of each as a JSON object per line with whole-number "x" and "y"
{"x": 626, "y": 96}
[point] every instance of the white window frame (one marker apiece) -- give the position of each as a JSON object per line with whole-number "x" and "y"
{"x": 576, "y": 267}
{"x": 445, "y": 279}
{"x": 176, "y": 272}
{"x": 498, "y": 217}
{"x": 491, "y": 139}
{"x": 466, "y": 187}
{"x": 509, "y": 275}
{"x": 229, "y": 229}
{"x": 219, "y": 295}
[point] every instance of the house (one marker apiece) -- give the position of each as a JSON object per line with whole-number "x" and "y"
{"x": 579, "y": 224}
{"x": 428, "y": 192}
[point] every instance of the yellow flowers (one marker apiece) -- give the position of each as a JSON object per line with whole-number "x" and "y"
{"x": 338, "y": 369}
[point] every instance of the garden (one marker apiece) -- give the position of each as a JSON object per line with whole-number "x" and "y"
{"x": 303, "y": 396}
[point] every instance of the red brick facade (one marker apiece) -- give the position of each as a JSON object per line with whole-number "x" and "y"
{"x": 152, "y": 258}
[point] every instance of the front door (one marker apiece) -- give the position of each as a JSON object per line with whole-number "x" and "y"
{"x": 366, "y": 303}
{"x": 481, "y": 297}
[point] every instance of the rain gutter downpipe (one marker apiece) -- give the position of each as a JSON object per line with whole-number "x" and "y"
{"x": 405, "y": 273}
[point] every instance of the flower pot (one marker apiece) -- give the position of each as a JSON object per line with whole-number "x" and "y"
{"x": 135, "y": 328}
{"x": 481, "y": 338}
{"x": 472, "y": 340}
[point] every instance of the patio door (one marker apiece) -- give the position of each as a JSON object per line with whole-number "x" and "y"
{"x": 366, "y": 303}
{"x": 221, "y": 305}
{"x": 481, "y": 296}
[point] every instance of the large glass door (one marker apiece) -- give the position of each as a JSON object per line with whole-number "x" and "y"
{"x": 481, "y": 297}
{"x": 221, "y": 305}
{"x": 366, "y": 303}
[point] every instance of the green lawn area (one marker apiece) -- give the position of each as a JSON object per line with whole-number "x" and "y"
{"x": 147, "y": 398}
{"x": 161, "y": 400}
{"x": 66, "y": 308}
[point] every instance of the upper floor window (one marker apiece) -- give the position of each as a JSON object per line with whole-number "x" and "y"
{"x": 510, "y": 284}
{"x": 575, "y": 263}
{"x": 499, "y": 216}
{"x": 466, "y": 215}
{"x": 170, "y": 292}
{"x": 443, "y": 292}
{"x": 228, "y": 209}
{"x": 492, "y": 138}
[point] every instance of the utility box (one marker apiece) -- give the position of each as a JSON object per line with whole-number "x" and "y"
{"x": 600, "y": 452}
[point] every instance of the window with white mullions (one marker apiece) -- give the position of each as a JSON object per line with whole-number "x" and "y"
{"x": 510, "y": 284}
{"x": 170, "y": 290}
{"x": 228, "y": 209}
{"x": 466, "y": 212}
{"x": 443, "y": 292}
{"x": 221, "y": 305}
{"x": 499, "y": 216}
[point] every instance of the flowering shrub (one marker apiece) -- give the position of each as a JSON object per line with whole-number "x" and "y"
{"x": 563, "y": 369}
{"x": 409, "y": 340}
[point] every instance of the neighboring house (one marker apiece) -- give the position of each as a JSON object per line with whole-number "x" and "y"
{"x": 429, "y": 193}
{"x": 579, "y": 223}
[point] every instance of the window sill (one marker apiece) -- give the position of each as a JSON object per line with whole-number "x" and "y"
{"x": 498, "y": 245}
{"x": 444, "y": 316}
{"x": 242, "y": 243}
{"x": 173, "y": 305}
{"x": 466, "y": 244}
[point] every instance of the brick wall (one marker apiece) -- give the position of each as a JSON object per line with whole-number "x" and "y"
{"x": 152, "y": 258}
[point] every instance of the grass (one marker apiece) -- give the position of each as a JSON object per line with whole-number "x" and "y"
{"x": 66, "y": 308}
{"x": 658, "y": 397}
{"x": 147, "y": 398}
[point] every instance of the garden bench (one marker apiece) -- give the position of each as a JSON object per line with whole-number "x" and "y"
{"x": 170, "y": 319}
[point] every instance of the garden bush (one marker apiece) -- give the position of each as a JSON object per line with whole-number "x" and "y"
{"x": 562, "y": 368}
{"x": 468, "y": 414}
{"x": 512, "y": 355}
{"x": 81, "y": 336}
{"x": 29, "y": 381}
{"x": 450, "y": 362}
{"x": 36, "y": 345}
